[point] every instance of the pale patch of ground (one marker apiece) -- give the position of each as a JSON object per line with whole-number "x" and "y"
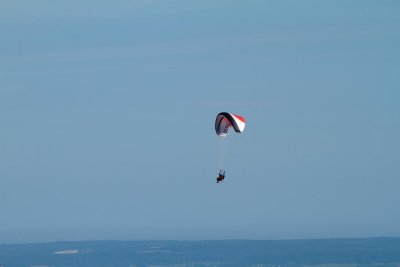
{"x": 70, "y": 251}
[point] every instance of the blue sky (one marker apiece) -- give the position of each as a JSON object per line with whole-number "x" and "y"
{"x": 107, "y": 119}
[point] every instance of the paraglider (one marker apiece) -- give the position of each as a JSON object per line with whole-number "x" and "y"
{"x": 221, "y": 176}
{"x": 223, "y": 122}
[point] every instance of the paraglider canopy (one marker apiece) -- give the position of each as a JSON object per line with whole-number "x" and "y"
{"x": 226, "y": 120}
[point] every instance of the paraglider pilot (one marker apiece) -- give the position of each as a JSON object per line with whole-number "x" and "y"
{"x": 221, "y": 176}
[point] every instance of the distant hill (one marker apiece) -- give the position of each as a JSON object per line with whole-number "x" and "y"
{"x": 371, "y": 252}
